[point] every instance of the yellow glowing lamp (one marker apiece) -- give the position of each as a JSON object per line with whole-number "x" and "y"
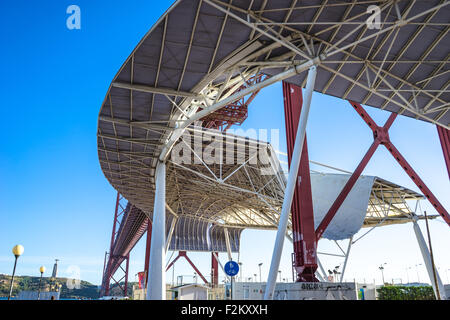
{"x": 17, "y": 250}
{"x": 42, "y": 269}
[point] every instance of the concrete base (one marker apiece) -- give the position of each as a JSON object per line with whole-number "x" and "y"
{"x": 298, "y": 291}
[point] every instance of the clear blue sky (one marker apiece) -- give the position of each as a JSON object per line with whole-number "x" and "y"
{"x": 54, "y": 198}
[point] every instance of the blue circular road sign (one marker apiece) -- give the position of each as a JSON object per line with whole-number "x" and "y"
{"x": 231, "y": 268}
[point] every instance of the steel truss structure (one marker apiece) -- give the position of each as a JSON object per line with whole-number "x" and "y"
{"x": 114, "y": 260}
{"x": 235, "y": 113}
{"x": 391, "y": 56}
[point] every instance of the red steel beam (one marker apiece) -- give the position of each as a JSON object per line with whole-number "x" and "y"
{"x": 214, "y": 270}
{"x": 380, "y": 135}
{"x": 383, "y": 135}
{"x": 184, "y": 255}
{"x": 147, "y": 251}
{"x": 418, "y": 181}
{"x": 304, "y": 239}
{"x": 345, "y": 191}
{"x": 444, "y": 137}
{"x": 173, "y": 261}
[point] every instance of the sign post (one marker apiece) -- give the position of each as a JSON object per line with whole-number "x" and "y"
{"x": 231, "y": 268}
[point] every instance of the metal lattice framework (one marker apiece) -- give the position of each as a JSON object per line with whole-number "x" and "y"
{"x": 205, "y": 199}
{"x": 174, "y": 72}
{"x": 199, "y": 59}
{"x": 235, "y": 113}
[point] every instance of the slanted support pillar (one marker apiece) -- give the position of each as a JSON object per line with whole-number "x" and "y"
{"x": 350, "y": 242}
{"x": 156, "y": 288}
{"x": 427, "y": 260}
{"x": 169, "y": 236}
{"x": 290, "y": 186}
{"x": 227, "y": 242}
{"x": 324, "y": 274}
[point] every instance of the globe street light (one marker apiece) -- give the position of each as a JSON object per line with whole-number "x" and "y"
{"x": 42, "y": 270}
{"x": 17, "y": 251}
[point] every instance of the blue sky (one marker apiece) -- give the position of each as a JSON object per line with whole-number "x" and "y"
{"x": 54, "y": 198}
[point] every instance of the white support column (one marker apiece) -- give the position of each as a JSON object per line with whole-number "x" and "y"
{"x": 290, "y": 186}
{"x": 319, "y": 276}
{"x": 227, "y": 242}
{"x": 324, "y": 274}
{"x": 156, "y": 289}
{"x": 346, "y": 257}
{"x": 427, "y": 260}
{"x": 218, "y": 261}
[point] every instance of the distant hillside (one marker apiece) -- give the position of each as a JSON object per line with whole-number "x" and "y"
{"x": 27, "y": 283}
{"x": 87, "y": 290}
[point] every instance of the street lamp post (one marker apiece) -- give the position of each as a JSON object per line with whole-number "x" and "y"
{"x": 407, "y": 274}
{"x": 17, "y": 251}
{"x": 240, "y": 271}
{"x": 42, "y": 270}
{"x": 279, "y": 273}
{"x": 417, "y": 271}
{"x": 259, "y": 265}
{"x": 382, "y": 273}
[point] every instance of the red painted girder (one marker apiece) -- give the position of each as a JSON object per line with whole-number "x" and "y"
{"x": 304, "y": 240}
{"x": 147, "y": 250}
{"x": 444, "y": 137}
{"x": 173, "y": 261}
{"x": 214, "y": 269}
{"x": 345, "y": 191}
{"x": 383, "y": 136}
{"x": 418, "y": 181}
{"x": 380, "y": 136}
{"x": 194, "y": 267}
{"x": 184, "y": 255}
